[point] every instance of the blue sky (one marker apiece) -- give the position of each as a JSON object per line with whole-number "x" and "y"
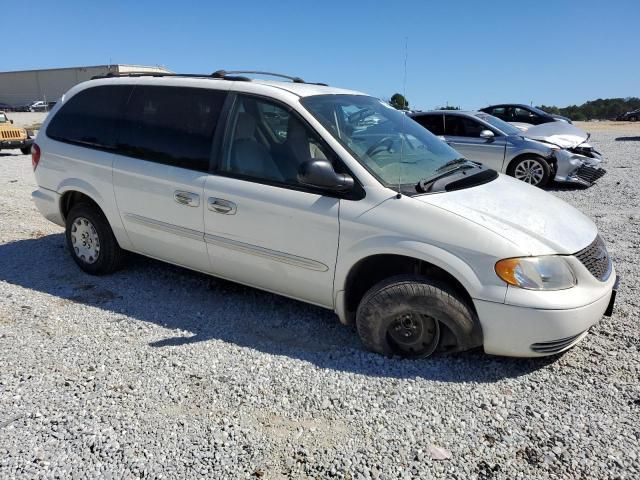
{"x": 467, "y": 53}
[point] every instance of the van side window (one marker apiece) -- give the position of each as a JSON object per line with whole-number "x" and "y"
{"x": 267, "y": 142}
{"x": 171, "y": 125}
{"x": 90, "y": 117}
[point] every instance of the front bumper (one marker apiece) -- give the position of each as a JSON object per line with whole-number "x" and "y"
{"x": 572, "y": 167}
{"x": 23, "y": 143}
{"x": 531, "y": 332}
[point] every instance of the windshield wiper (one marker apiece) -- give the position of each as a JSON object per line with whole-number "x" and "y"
{"x": 461, "y": 164}
{"x": 455, "y": 161}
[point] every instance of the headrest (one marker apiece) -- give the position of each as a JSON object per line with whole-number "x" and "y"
{"x": 246, "y": 126}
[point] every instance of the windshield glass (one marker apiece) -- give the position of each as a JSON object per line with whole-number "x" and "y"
{"x": 3, "y": 118}
{"x": 501, "y": 125}
{"x": 391, "y": 145}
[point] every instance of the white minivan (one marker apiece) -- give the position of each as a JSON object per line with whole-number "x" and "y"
{"x": 325, "y": 195}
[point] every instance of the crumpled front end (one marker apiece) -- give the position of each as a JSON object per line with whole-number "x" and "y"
{"x": 579, "y": 165}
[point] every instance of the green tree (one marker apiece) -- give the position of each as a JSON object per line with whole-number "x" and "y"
{"x": 601, "y": 109}
{"x": 399, "y": 102}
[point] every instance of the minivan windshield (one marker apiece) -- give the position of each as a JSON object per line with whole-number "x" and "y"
{"x": 391, "y": 145}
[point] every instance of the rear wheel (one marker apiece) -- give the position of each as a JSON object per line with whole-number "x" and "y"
{"x": 633, "y": 119}
{"x": 405, "y": 315}
{"x": 530, "y": 169}
{"x": 91, "y": 241}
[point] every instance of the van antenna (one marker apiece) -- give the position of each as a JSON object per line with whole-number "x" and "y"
{"x": 404, "y": 114}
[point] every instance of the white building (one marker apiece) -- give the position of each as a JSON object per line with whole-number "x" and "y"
{"x": 26, "y": 86}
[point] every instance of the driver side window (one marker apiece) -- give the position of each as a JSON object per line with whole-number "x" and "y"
{"x": 456, "y": 126}
{"x": 524, "y": 116}
{"x": 267, "y": 142}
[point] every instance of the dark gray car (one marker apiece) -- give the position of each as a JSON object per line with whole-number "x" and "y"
{"x": 520, "y": 113}
{"x": 486, "y": 139}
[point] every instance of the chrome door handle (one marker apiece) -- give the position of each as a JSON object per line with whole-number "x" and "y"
{"x": 219, "y": 205}
{"x": 186, "y": 198}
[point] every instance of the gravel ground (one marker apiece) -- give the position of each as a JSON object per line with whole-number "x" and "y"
{"x": 159, "y": 372}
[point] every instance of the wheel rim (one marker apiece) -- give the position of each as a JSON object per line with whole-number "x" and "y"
{"x": 414, "y": 335}
{"x": 530, "y": 171}
{"x": 85, "y": 240}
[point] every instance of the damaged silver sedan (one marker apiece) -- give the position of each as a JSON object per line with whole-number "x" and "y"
{"x": 552, "y": 151}
{"x": 576, "y": 160}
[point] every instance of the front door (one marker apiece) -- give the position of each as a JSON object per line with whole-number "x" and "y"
{"x": 165, "y": 144}
{"x": 463, "y": 134}
{"x": 262, "y": 227}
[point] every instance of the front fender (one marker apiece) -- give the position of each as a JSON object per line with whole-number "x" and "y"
{"x": 481, "y": 282}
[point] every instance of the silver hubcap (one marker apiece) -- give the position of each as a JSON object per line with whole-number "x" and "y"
{"x": 85, "y": 240}
{"x": 529, "y": 171}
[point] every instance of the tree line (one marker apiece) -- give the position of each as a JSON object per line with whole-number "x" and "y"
{"x": 600, "y": 109}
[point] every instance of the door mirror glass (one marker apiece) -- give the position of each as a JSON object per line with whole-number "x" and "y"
{"x": 320, "y": 173}
{"x": 487, "y": 134}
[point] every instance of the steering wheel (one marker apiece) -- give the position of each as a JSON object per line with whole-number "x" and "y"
{"x": 385, "y": 143}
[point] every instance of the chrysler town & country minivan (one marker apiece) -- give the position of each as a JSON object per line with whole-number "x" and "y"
{"x": 324, "y": 195}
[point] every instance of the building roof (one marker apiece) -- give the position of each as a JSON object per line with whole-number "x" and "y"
{"x": 113, "y": 66}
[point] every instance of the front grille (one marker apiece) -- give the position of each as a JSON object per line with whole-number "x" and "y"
{"x": 555, "y": 346}
{"x": 10, "y": 134}
{"x": 589, "y": 174}
{"x": 596, "y": 258}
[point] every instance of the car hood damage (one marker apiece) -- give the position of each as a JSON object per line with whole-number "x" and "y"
{"x": 527, "y": 216}
{"x": 561, "y": 134}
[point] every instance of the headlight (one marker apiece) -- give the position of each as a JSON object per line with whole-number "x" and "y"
{"x": 536, "y": 273}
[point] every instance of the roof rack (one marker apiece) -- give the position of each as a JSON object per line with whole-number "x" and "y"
{"x": 152, "y": 74}
{"x": 235, "y": 75}
{"x": 224, "y": 74}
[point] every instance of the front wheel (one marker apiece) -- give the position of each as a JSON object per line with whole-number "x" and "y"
{"x": 405, "y": 315}
{"x": 25, "y": 150}
{"x": 91, "y": 241}
{"x": 633, "y": 119}
{"x": 531, "y": 169}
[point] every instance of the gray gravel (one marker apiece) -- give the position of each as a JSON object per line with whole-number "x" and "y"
{"x": 160, "y": 372}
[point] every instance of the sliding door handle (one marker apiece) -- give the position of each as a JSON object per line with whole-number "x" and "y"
{"x": 219, "y": 205}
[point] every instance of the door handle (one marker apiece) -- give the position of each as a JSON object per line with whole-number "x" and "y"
{"x": 186, "y": 198}
{"x": 220, "y": 205}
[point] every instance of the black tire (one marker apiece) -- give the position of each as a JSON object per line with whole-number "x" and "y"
{"x": 107, "y": 254}
{"x": 633, "y": 119}
{"x": 538, "y": 166}
{"x": 25, "y": 150}
{"x": 431, "y": 305}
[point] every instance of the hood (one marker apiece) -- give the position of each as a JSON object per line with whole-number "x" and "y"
{"x": 536, "y": 221}
{"x": 523, "y": 127}
{"x": 562, "y": 134}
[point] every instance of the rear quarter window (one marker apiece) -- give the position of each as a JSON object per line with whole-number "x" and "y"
{"x": 171, "y": 125}
{"x": 91, "y": 117}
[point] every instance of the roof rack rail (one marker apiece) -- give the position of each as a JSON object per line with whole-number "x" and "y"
{"x": 225, "y": 75}
{"x": 235, "y": 75}
{"x": 158, "y": 74}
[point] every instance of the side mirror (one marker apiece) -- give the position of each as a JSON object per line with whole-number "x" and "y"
{"x": 11, "y": 121}
{"x": 320, "y": 173}
{"x": 487, "y": 134}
